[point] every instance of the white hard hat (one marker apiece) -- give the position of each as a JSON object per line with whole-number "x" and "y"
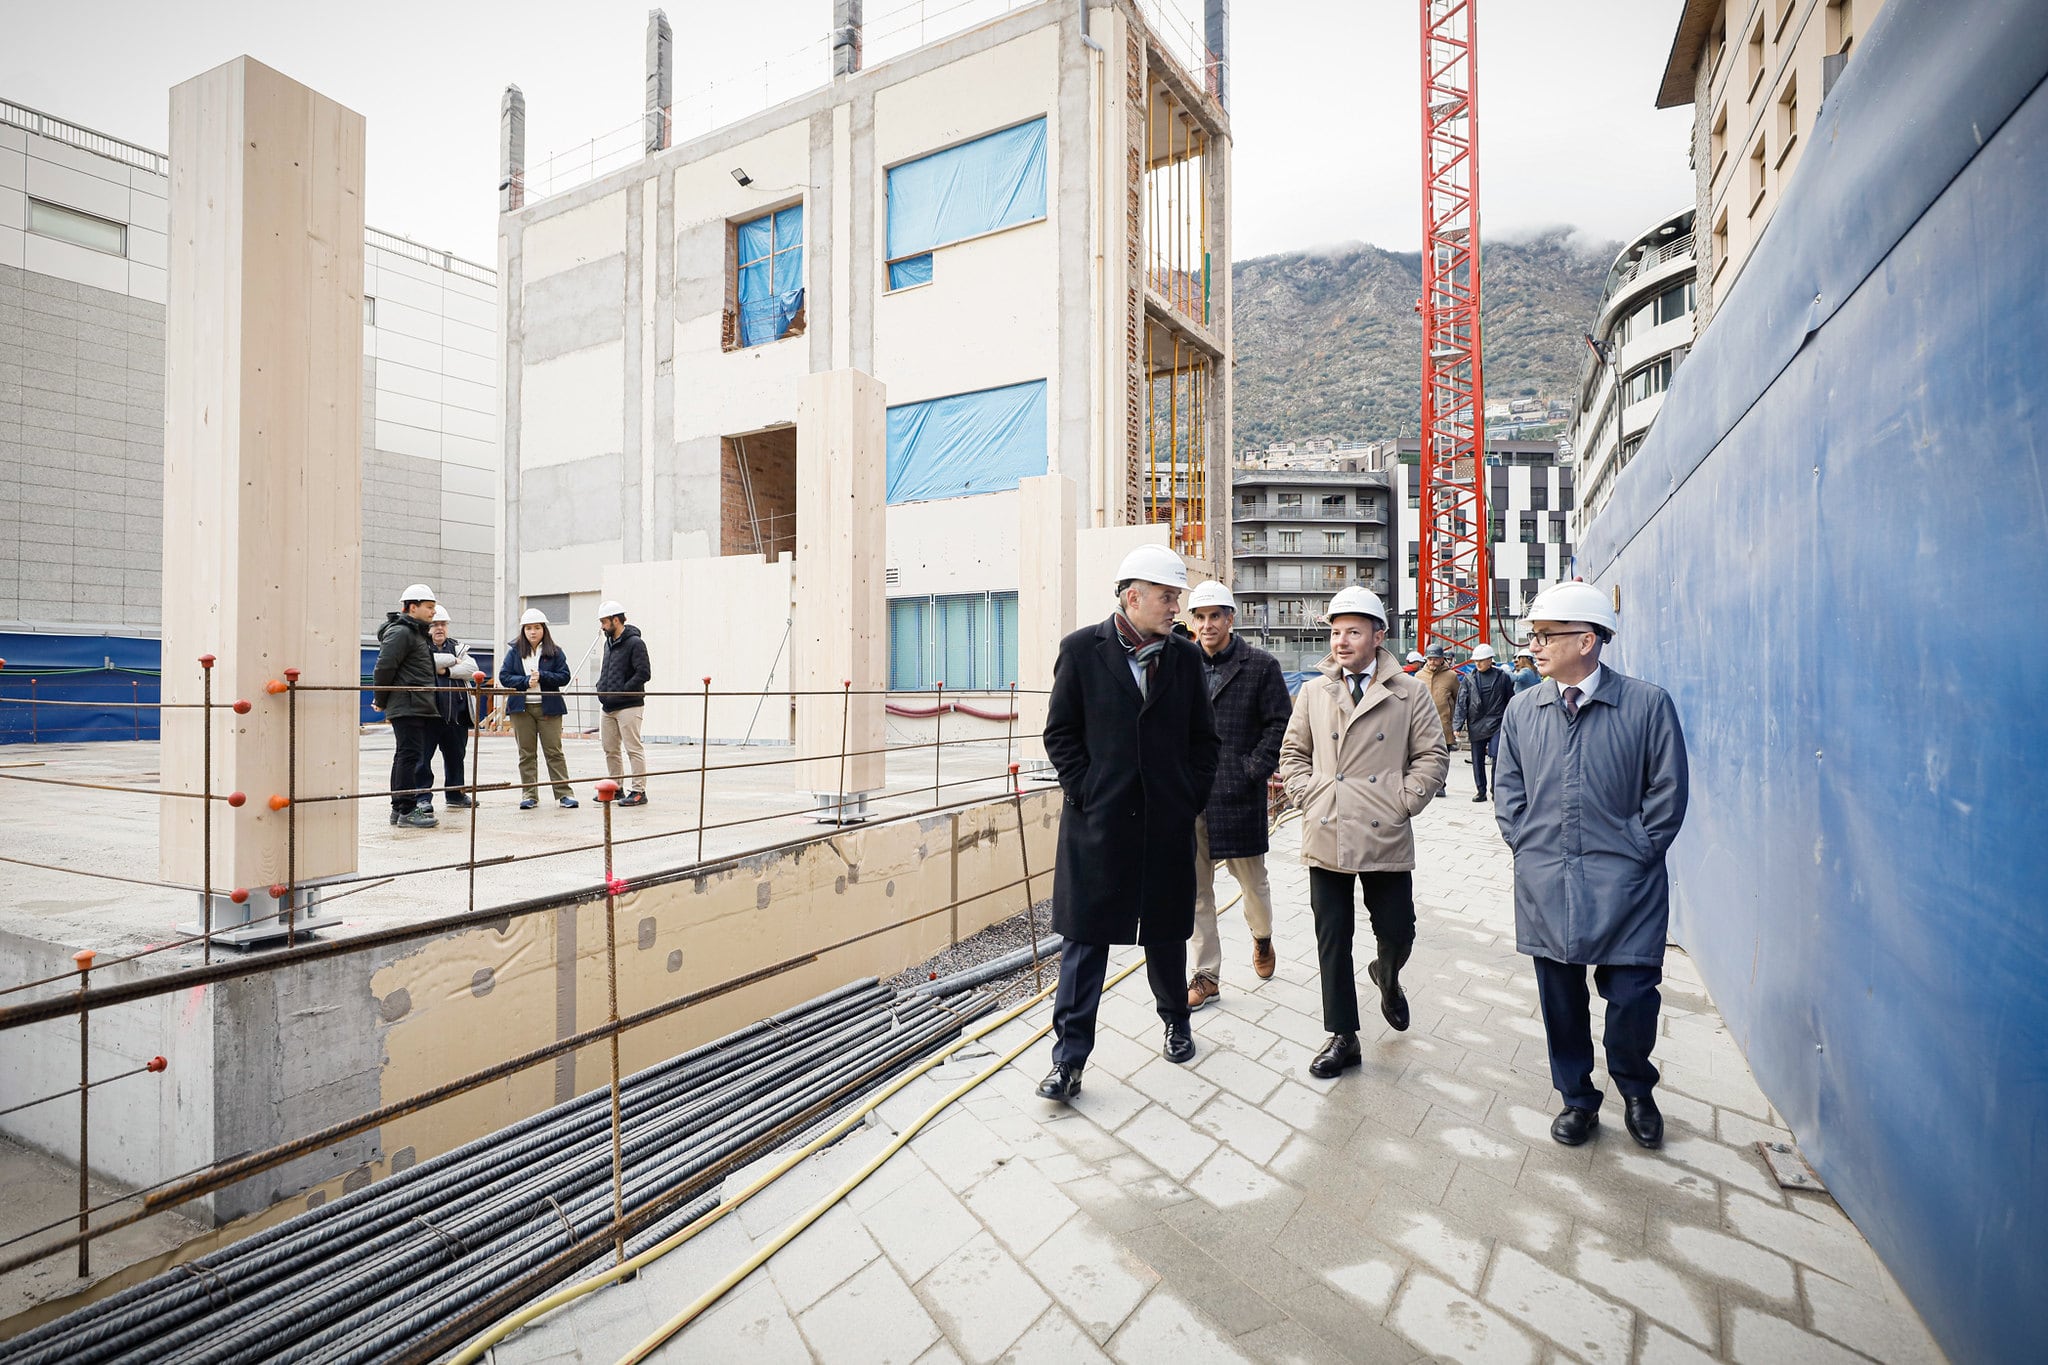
{"x": 1356, "y": 601}
{"x": 1482, "y": 651}
{"x": 1154, "y": 564}
{"x": 418, "y": 592}
{"x": 1575, "y": 602}
{"x": 440, "y": 613}
{"x": 1414, "y": 656}
{"x": 534, "y": 617}
{"x": 1212, "y": 594}
{"x": 610, "y": 608}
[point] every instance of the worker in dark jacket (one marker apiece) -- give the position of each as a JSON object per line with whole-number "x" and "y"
{"x": 1483, "y": 697}
{"x": 621, "y": 685}
{"x": 536, "y": 670}
{"x": 1131, "y": 735}
{"x": 1249, "y": 696}
{"x": 403, "y": 689}
{"x": 453, "y": 670}
{"x": 1589, "y": 793}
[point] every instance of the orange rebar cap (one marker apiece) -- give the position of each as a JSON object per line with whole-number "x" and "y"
{"x": 279, "y": 802}
{"x": 607, "y": 789}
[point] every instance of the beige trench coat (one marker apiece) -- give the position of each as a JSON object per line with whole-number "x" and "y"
{"x": 1360, "y": 774}
{"x": 1443, "y": 687}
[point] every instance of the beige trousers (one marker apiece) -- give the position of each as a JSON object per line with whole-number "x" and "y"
{"x": 1257, "y": 902}
{"x": 545, "y": 733}
{"x": 621, "y": 730}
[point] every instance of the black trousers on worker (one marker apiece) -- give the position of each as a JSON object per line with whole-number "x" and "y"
{"x": 1083, "y": 968}
{"x": 451, "y": 740}
{"x": 1482, "y": 749}
{"x": 415, "y": 739}
{"x": 1390, "y": 900}
{"x": 1632, "y": 1001}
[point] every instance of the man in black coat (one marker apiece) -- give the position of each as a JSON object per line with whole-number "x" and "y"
{"x": 403, "y": 689}
{"x": 1249, "y": 695}
{"x": 621, "y": 693}
{"x": 1131, "y": 734}
{"x": 1483, "y": 697}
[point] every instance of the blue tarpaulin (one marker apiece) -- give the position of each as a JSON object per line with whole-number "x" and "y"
{"x": 965, "y": 443}
{"x": 992, "y": 182}
{"x": 1848, "y": 475}
{"x": 771, "y": 265}
{"x": 912, "y": 270}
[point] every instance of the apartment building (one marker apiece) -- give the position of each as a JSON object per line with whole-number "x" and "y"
{"x": 1301, "y": 535}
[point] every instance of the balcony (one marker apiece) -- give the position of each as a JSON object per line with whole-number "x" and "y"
{"x": 1273, "y": 545}
{"x": 1263, "y": 581}
{"x": 1350, "y": 515}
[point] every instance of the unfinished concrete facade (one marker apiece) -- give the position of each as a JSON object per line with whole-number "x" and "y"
{"x": 647, "y": 415}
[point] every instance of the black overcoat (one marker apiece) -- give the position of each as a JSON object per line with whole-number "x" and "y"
{"x": 1252, "y": 710}
{"x": 1136, "y": 771}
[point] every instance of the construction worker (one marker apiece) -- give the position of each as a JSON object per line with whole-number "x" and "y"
{"x": 1414, "y": 662}
{"x": 536, "y": 670}
{"x": 1589, "y": 792}
{"x": 453, "y": 670}
{"x": 1525, "y": 674}
{"x": 1442, "y": 681}
{"x": 403, "y": 689}
{"x": 1249, "y": 696}
{"x": 1130, "y": 732}
{"x": 1483, "y": 697}
{"x": 621, "y": 685}
{"x": 1363, "y": 754}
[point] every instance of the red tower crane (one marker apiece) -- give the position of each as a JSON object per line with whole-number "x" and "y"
{"x": 1454, "y": 578}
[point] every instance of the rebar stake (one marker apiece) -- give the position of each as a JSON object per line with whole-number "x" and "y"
{"x": 938, "y": 738}
{"x": 845, "y": 728}
{"x": 703, "y": 758}
{"x": 291, "y": 816}
{"x": 1030, "y": 900}
{"x": 205, "y": 808}
{"x": 83, "y": 958}
{"x": 607, "y": 790}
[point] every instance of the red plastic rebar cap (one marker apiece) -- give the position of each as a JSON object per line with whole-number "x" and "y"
{"x": 279, "y": 802}
{"x": 291, "y": 675}
{"x": 277, "y": 890}
{"x": 241, "y": 707}
{"x": 707, "y": 680}
{"x": 156, "y": 1064}
{"x": 206, "y": 661}
{"x": 479, "y": 677}
{"x": 83, "y": 957}
{"x": 607, "y": 789}
{"x": 236, "y": 798}
{"x": 273, "y": 687}
{"x": 1013, "y": 769}
{"x": 238, "y": 895}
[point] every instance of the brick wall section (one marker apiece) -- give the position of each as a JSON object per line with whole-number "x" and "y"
{"x": 1136, "y": 87}
{"x": 771, "y": 464}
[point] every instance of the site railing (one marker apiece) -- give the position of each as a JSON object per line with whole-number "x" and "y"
{"x": 83, "y": 997}
{"x": 84, "y": 138}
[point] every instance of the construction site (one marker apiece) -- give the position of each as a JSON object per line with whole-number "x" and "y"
{"x": 854, "y": 405}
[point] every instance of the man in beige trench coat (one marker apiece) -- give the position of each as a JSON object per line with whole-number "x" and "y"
{"x": 1364, "y": 753}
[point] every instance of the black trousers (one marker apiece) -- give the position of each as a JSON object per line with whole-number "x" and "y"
{"x": 1632, "y": 1002}
{"x": 1084, "y": 966}
{"x": 1481, "y": 750}
{"x": 1389, "y": 900}
{"x": 451, "y": 740}
{"x": 415, "y": 737}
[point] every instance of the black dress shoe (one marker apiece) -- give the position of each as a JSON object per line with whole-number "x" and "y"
{"x": 1340, "y": 1052}
{"x": 1480, "y": 797}
{"x": 1574, "y": 1126}
{"x": 1645, "y": 1123}
{"x": 1180, "y": 1043}
{"x": 1062, "y": 1083}
{"x": 1393, "y": 1000}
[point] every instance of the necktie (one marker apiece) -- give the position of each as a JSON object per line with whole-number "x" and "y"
{"x": 1571, "y": 703}
{"x": 1357, "y": 687}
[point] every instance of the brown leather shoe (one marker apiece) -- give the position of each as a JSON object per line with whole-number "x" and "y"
{"x": 1201, "y": 991}
{"x": 1263, "y": 960}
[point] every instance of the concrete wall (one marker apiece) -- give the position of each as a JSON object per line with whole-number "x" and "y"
{"x": 742, "y": 646}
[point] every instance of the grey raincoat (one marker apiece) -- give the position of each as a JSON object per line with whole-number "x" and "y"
{"x": 1590, "y": 808}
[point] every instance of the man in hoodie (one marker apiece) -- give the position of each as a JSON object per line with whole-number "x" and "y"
{"x": 621, "y": 692}
{"x": 1483, "y": 697}
{"x": 403, "y": 689}
{"x": 1363, "y": 755}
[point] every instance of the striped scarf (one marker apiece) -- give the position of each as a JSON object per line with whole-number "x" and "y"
{"x": 1144, "y": 650}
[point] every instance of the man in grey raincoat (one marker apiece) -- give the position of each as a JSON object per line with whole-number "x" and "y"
{"x": 1590, "y": 789}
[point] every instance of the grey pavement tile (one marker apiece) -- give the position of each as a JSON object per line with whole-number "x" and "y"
{"x": 1761, "y": 1339}
{"x": 1287, "y": 1342}
{"x": 1313, "y": 1112}
{"x": 1019, "y": 1205}
{"x": 1824, "y": 1210}
{"x": 1178, "y": 1088}
{"x": 961, "y": 1149}
{"x": 1592, "y": 1328}
{"x": 1649, "y": 1176}
{"x": 1722, "y": 1091}
{"x": 1094, "y": 1278}
{"x": 1063, "y": 1167}
{"x": 1110, "y": 1205}
{"x": 1244, "y": 1241}
{"x": 1436, "y": 1238}
{"x": 872, "y": 1319}
{"x": 1116, "y": 1055}
{"x": 1025, "y": 1135}
{"x": 920, "y": 1224}
{"x": 1740, "y": 1130}
{"x": 1417, "y": 1165}
{"x": 1107, "y": 1101}
{"x": 1737, "y": 1168}
{"x": 1238, "y": 1074}
{"x": 1054, "y": 1340}
{"x": 1335, "y": 1178}
{"x": 941, "y": 1353}
{"x": 1843, "y": 1256}
{"x": 1474, "y": 1146}
{"x": 982, "y": 1299}
{"x": 1249, "y": 1129}
{"x": 1341, "y": 1325}
{"x": 824, "y": 1255}
{"x": 1199, "y": 1278}
{"x": 1476, "y": 1039}
{"x": 1652, "y": 1288}
{"x": 1336, "y": 1247}
{"x": 891, "y": 1176}
{"x": 792, "y": 1193}
{"x": 1138, "y": 1177}
{"x": 1744, "y": 1265}
{"x": 1662, "y": 1348}
{"x": 1165, "y": 1331}
{"x": 1513, "y": 1218}
{"x": 1531, "y": 1087}
{"x": 1440, "y": 1088}
{"x": 1227, "y": 1030}
{"x": 1295, "y": 1026}
{"x": 1167, "y": 1141}
{"x": 1080, "y": 1136}
{"x": 751, "y": 1324}
{"x": 1451, "y": 1325}
{"x": 1885, "y": 1332}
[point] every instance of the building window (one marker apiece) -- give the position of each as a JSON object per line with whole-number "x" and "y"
{"x": 1653, "y": 378}
{"x": 966, "y": 443}
{"x": 1557, "y": 530}
{"x": 1788, "y": 117}
{"x": 966, "y": 640}
{"x": 1335, "y": 576}
{"x": 1674, "y": 303}
{"x": 1717, "y": 143}
{"x": 1414, "y": 561}
{"x": 1841, "y": 25}
{"x": 1289, "y": 504}
{"x": 1333, "y": 505}
{"x": 1292, "y": 612}
{"x": 769, "y": 258}
{"x": 1539, "y": 491}
{"x": 1333, "y": 542}
{"x": 1244, "y": 540}
{"x": 1248, "y": 503}
{"x": 1718, "y": 245}
{"x": 1528, "y": 528}
{"x": 1756, "y": 55}
{"x": 1756, "y": 174}
{"x": 1290, "y": 541}
{"x": 978, "y": 187}
{"x": 1496, "y": 528}
{"x": 79, "y": 229}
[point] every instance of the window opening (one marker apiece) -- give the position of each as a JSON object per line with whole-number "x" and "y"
{"x": 978, "y": 187}
{"x": 80, "y": 229}
{"x": 769, "y": 257}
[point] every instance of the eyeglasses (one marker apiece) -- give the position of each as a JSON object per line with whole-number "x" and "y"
{"x": 1541, "y": 638}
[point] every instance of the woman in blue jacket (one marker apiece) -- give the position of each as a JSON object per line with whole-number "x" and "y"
{"x": 536, "y": 670}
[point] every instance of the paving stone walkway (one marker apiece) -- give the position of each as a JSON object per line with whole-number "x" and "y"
{"x": 1238, "y": 1209}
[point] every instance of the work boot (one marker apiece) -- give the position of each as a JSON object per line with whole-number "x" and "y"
{"x": 1341, "y": 1052}
{"x": 1180, "y": 1042}
{"x": 1480, "y": 797}
{"x": 1385, "y": 971}
{"x": 1263, "y": 960}
{"x": 396, "y": 815}
{"x": 457, "y": 801}
{"x": 529, "y": 803}
{"x": 567, "y": 803}
{"x": 1202, "y": 990}
{"x": 418, "y": 819}
{"x": 635, "y": 798}
{"x": 1062, "y": 1083}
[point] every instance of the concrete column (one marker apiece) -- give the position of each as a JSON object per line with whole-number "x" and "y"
{"x": 512, "y": 150}
{"x": 660, "y": 80}
{"x": 1216, "y": 37}
{"x": 846, "y": 36}
{"x": 262, "y": 465}
{"x": 1049, "y": 512}
{"x": 841, "y": 628}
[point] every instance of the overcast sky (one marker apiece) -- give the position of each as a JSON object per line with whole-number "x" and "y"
{"x": 1325, "y": 105}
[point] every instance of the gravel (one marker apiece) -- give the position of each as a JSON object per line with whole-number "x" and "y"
{"x": 1003, "y": 937}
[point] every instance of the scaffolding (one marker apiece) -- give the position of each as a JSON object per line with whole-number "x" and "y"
{"x": 1179, "y": 358}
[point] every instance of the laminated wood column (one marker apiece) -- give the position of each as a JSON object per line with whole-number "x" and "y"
{"x": 262, "y": 464}
{"x": 841, "y": 625}
{"x": 1045, "y": 596}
